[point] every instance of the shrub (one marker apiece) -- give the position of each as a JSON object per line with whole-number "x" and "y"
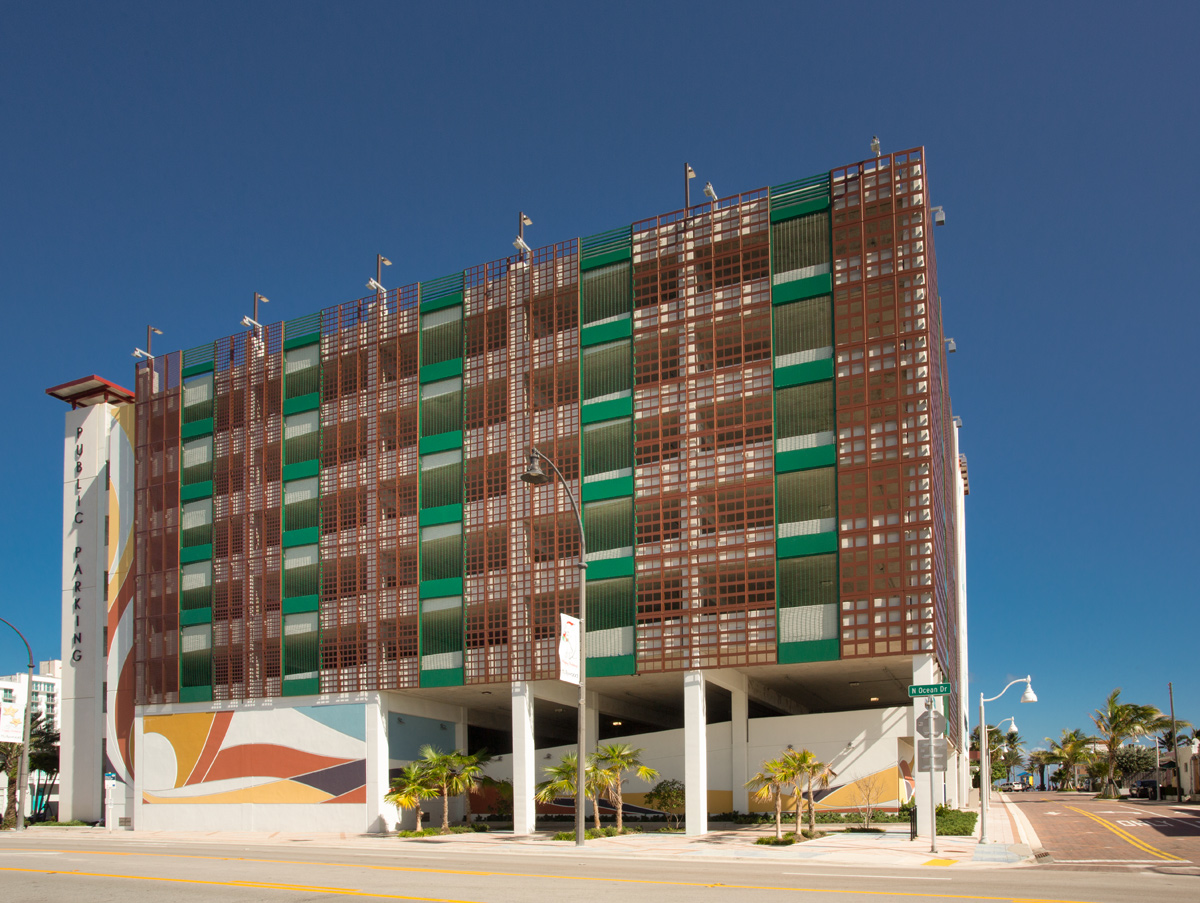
{"x": 593, "y": 834}
{"x": 786, "y": 840}
{"x": 956, "y": 823}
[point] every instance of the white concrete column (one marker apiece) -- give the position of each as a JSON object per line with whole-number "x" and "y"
{"x": 524, "y": 811}
{"x": 925, "y": 671}
{"x": 739, "y": 749}
{"x": 376, "y": 814}
{"x": 695, "y": 753}
{"x": 593, "y": 724}
{"x": 139, "y": 771}
{"x": 952, "y": 779}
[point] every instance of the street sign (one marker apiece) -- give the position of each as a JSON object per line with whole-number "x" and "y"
{"x": 929, "y": 690}
{"x": 932, "y": 754}
{"x": 931, "y": 724}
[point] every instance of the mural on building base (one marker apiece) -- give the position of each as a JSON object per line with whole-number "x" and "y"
{"x": 304, "y": 754}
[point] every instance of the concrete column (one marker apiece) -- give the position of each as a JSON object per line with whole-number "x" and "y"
{"x": 593, "y": 725}
{"x": 524, "y": 811}
{"x": 139, "y": 773}
{"x": 377, "y": 812}
{"x": 739, "y": 749}
{"x": 695, "y": 753}
{"x": 925, "y": 671}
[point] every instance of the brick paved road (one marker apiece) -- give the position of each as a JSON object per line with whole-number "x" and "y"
{"x": 1089, "y": 834}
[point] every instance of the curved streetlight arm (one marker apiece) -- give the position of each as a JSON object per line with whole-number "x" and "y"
{"x": 1028, "y": 681}
{"x": 534, "y": 453}
{"x": 23, "y": 773}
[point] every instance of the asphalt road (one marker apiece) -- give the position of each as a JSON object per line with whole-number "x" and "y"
{"x": 1087, "y": 834}
{"x": 133, "y": 872}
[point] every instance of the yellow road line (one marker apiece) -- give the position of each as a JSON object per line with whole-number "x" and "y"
{"x": 361, "y": 893}
{"x": 1126, "y": 836}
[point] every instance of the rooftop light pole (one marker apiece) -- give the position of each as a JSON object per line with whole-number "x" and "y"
{"x": 688, "y": 175}
{"x": 535, "y": 476}
{"x": 522, "y": 249}
{"x": 23, "y": 773}
{"x": 151, "y": 331}
{"x": 985, "y": 760}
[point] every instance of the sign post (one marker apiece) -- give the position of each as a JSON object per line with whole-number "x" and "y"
{"x": 932, "y": 751}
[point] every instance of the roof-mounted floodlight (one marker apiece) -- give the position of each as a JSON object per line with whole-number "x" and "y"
{"x": 372, "y": 284}
{"x": 939, "y": 216}
{"x": 253, "y": 324}
{"x": 710, "y": 192}
{"x": 138, "y": 352}
{"x": 957, "y": 421}
{"x": 951, "y": 346}
{"x": 520, "y": 245}
{"x": 875, "y": 145}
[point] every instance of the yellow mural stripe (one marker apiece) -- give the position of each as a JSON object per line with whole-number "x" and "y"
{"x": 283, "y": 791}
{"x": 1126, "y": 836}
{"x": 529, "y": 875}
{"x": 301, "y": 888}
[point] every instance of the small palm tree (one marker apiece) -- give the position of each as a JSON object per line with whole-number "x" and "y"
{"x": 409, "y": 788}
{"x": 1038, "y": 760}
{"x": 1068, "y": 752}
{"x": 468, "y": 776}
{"x": 560, "y": 781}
{"x": 769, "y": 783}
{"x": 804, "y": 768}
{"x": 612, "y": 761}
{"x": 1120, "y": 721}
{"x": 440, "y": 769}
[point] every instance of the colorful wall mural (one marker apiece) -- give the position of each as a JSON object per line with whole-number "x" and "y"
{"x": 304, "y": 754}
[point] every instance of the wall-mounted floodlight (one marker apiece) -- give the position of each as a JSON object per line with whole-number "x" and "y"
{"x": 875, "y": 145}
{"x": 710, "y": 192}
{"x": 957, "y": 421}
{"x": 939, "y": 216}
{"x": 372, "y": 284}
{"x": 951, "y": 346}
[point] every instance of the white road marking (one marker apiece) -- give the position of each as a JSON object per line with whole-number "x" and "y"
{"x": 887, "y": 877}
{"x": 1121, "y": 861}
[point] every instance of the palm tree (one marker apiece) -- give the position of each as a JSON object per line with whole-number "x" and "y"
{"x": 1120, "y": 721}
{"x": 440, "y": 768}
{"x": 1072, "y": 749}
{"x": 43, "y": 759}
{"x": 560, "y": 781}
{"x": 612, "y": 761}
{"x": 802, "y": 767}
{"x": 1039, "y": 759}
{"x": 1010, "y": 757}
{"x": 468, "y": 776}
{"x": 410, "y": 787}
{"x": 769, "y": 783}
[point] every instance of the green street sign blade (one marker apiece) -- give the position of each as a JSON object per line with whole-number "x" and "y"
{"x": 929, "y": 690}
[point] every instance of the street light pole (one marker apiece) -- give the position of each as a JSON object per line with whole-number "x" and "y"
{"x": 985, "y": 763}
{"x": 23, "y": 772}
{"x": 535, "y": 476}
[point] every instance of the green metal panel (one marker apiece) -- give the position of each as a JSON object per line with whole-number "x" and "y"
{"x": 443, "y": 677}
{"x": 435, "y": 589}
{"x": 607, "y": 568}
{"x": 439, "y": 303}
{"x": 301, "y": 469}
{"x": 201, "y": 354}
{"x": 605, "y": 248}
{"x": 608, "y": 489}
{"x": 813, "y": 371}
{"x": 440, "y": 442}
{"x": 192, "y": 616}
{"x": 195, "y": 553}
{"x": 309, "y": 402}
{"x": 812, "y": 544}
{"x": 197, "y": 369}
{"x": 778, "y": 214}
{"x": 199, "y": 428}
{"x": 602, "y": 260}
{"x": 305, "y": 537}
{"x": 805, "y": 458}
{"x": 611, "y": 666}
{"x": 443, "y": 514}
{"x": 301, "y": 604}
{"x": 802, "y": 288}
{"x": 301, "y": 340}
{"x": 301, "y": 686}
{"x": 606, "y": 332}
{"x": 810, "y": 651}
{"x": 606, "y": 410}
{"x": 195, "y": 694}
{"x": 192, "y": 491}
{"x": 431, "y": 373}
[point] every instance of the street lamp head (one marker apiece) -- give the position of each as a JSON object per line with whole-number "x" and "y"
{"x": 384, "y": 261}
{"x": 156, "y": 330}
{"x": 1029, "y": 695}
{"x": 688, "y": 171}
{"x": 525, "y": 220}
{"x": 534, "y": 475}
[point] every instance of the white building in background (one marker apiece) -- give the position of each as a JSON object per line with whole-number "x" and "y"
{"x": 47, "y": 690}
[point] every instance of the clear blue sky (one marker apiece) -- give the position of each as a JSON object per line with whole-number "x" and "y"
{"x": 162, "y": 162}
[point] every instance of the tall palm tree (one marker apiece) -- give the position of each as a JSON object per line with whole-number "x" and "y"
{"x": 1120, "y": 721}
{"x": 43, "y": 760}
{"x": 1011, "y": 756}
{"x": 1039, "y": 759}
{"x": 1069, "y": 751}
{"x": 560, "y": 781}
{"x": 802, "y": 767}
{"x": 440, "y": 769}
{"x": 612, "y": 761}
{"x": 769, "y": 783}
{"x": 409, "y": 788}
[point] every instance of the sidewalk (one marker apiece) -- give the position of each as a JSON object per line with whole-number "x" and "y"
{"x": 891, "y": 849}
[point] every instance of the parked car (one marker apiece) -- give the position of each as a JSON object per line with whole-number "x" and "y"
{"x": 1147, "y": 790}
